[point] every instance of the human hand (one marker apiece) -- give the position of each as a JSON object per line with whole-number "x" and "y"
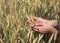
{"x": 41, "y": 25}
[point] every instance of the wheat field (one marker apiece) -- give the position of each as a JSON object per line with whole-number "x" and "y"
{"x": 13, "y": 20}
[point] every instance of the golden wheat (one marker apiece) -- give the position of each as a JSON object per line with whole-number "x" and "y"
{"x": 13, "y": 19}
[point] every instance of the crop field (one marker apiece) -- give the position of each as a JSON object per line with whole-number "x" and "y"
{"x": 13, "y": 20}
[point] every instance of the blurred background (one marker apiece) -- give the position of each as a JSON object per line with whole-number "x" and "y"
{"x": 13, "y": 20}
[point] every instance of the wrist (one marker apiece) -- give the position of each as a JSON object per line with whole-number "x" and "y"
{"x": 53, "y": 22}
{"x": 53, "y": 30}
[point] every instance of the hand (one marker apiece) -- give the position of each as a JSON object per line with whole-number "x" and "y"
{"x": 41, "y": 25}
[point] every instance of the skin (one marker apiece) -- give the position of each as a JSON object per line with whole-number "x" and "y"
{"x": 41, "y": 25}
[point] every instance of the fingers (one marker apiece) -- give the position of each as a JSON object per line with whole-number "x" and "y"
{"x": 41, "y": 29}
{"x": 38, "y": 27}
{"x": 33, "y": 23}
{"x": 39, "y": 24}
{"x": 37, "y": 18}
{"x": 31, "y": 20}
{"x": 30, "y": 23}
{"x": 35, "y": 29}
